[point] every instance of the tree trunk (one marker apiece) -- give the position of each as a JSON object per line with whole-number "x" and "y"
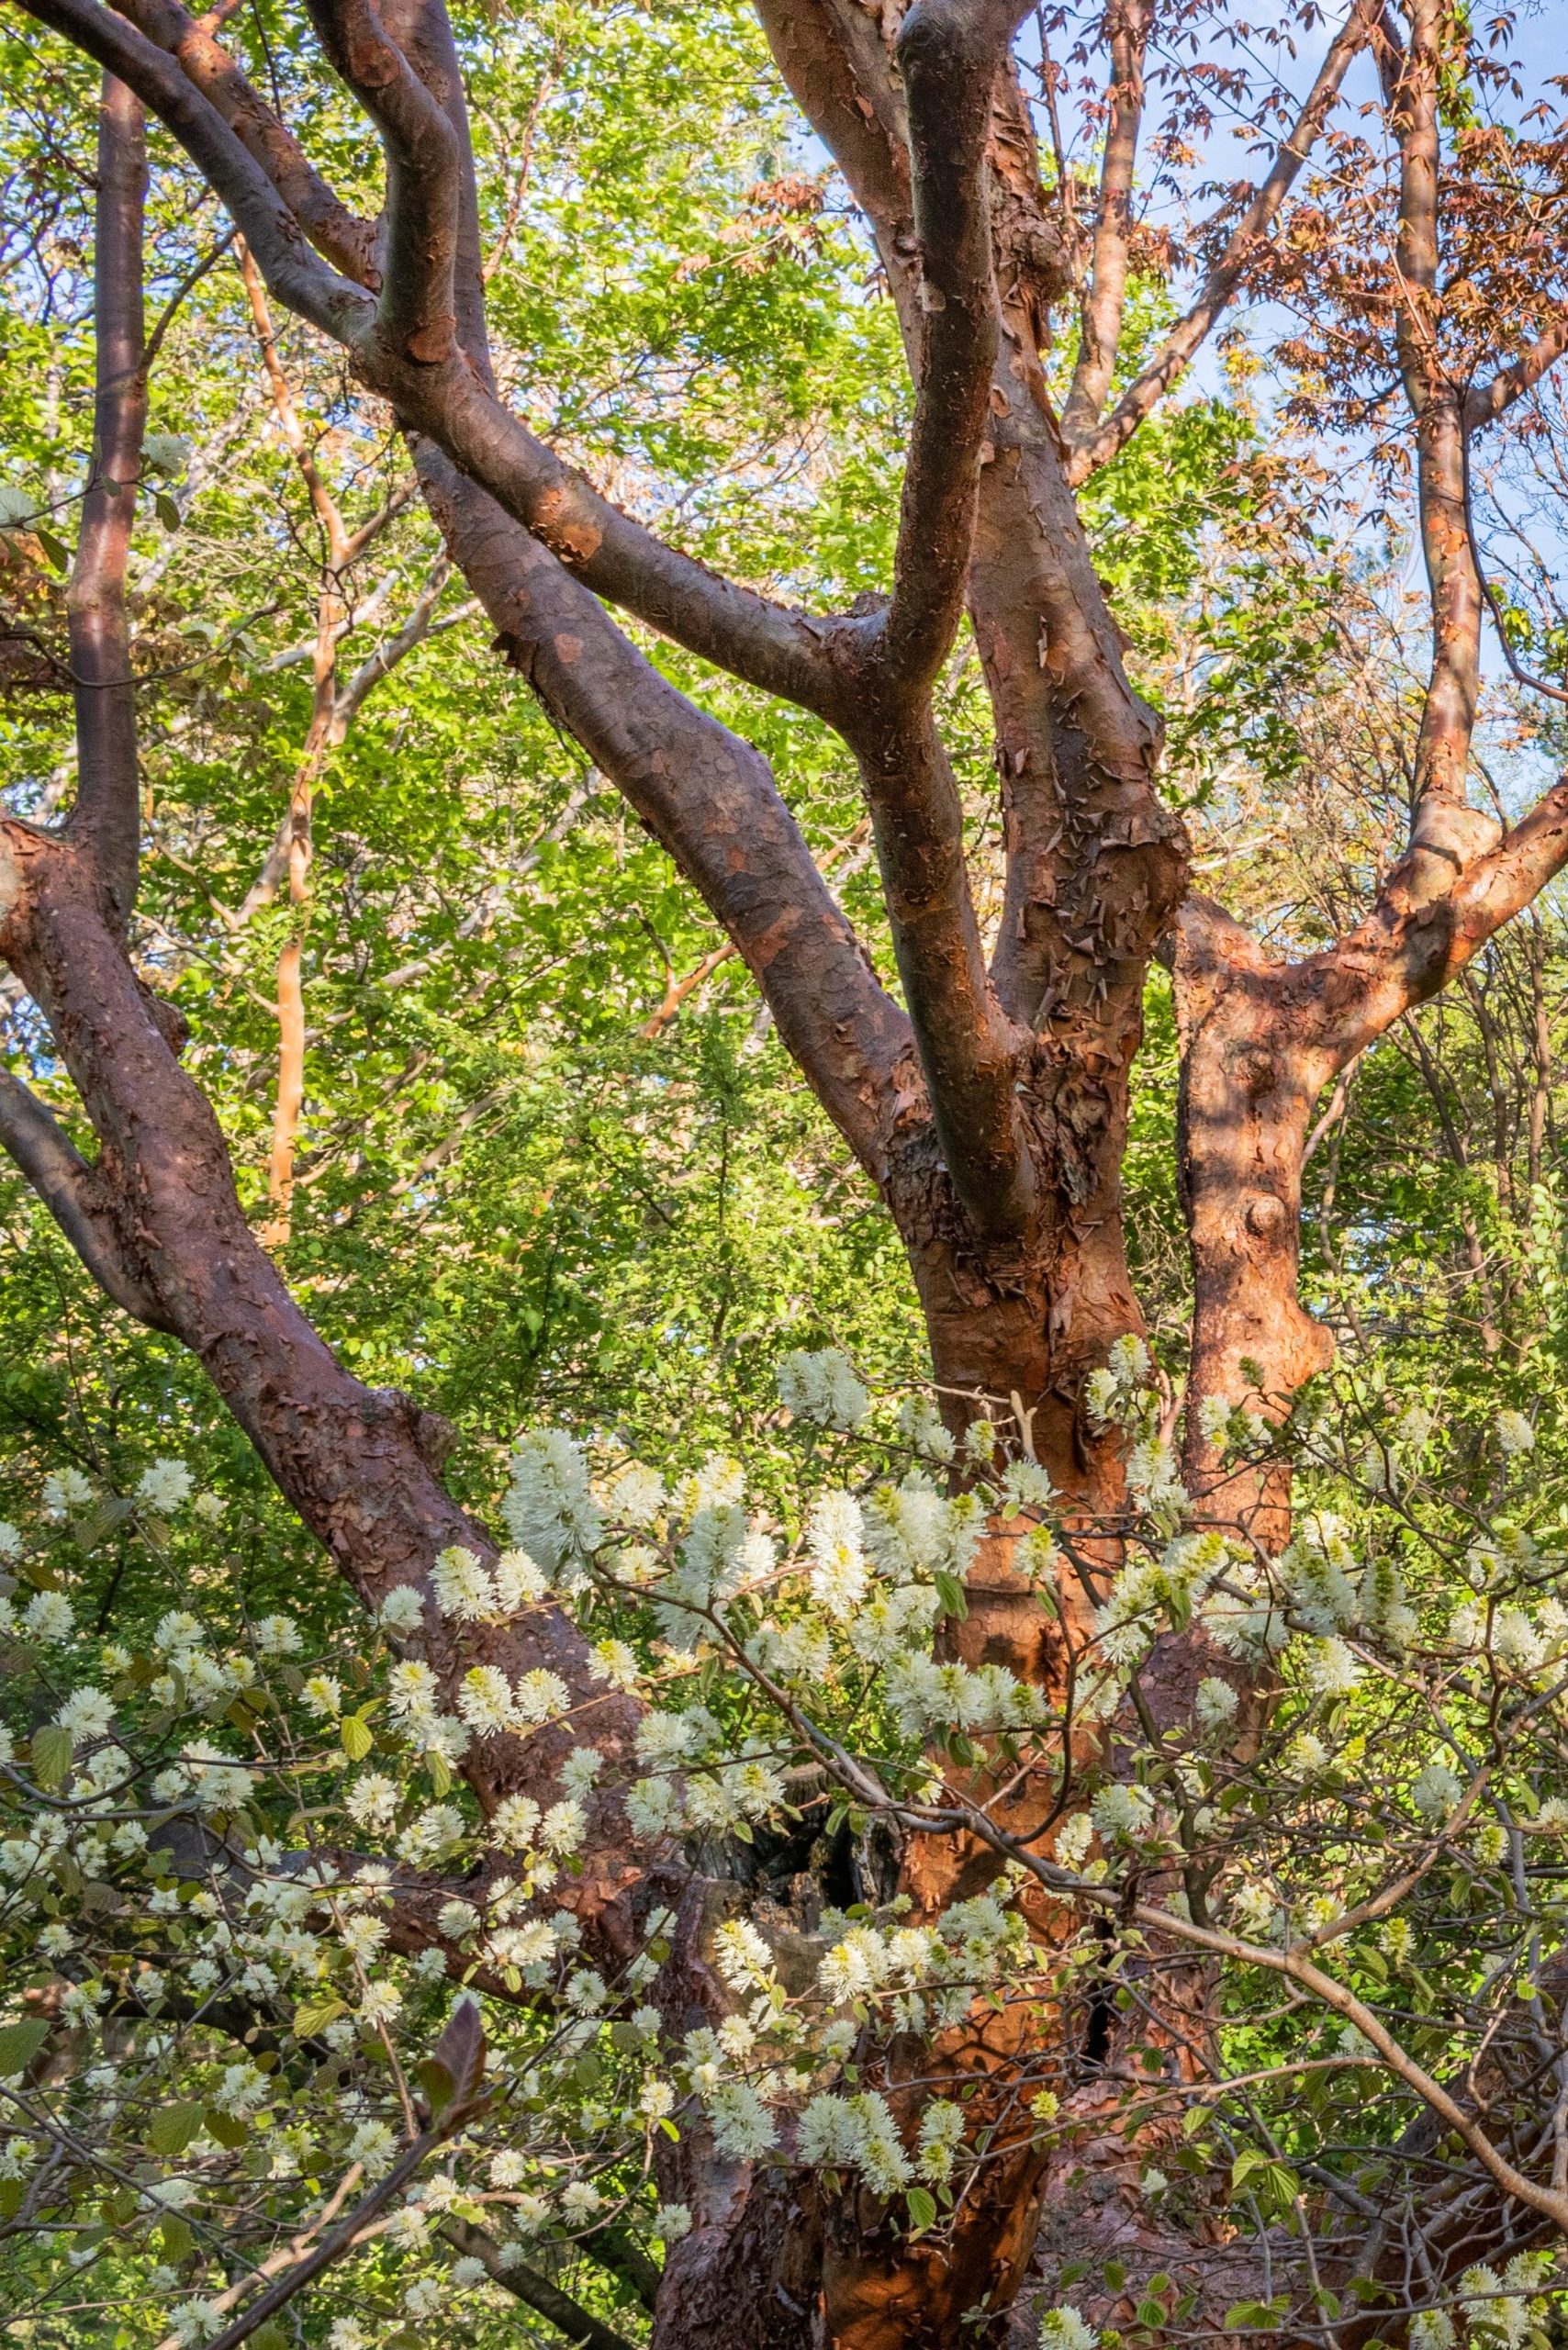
{"x": 1249, "y": 1080}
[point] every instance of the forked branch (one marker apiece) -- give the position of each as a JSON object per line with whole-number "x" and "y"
{"x": 416, "y": 317}
{"x": 338, "y": 234}
{"x": 1093, "y": 443}
{"x": 1128, "y": 24}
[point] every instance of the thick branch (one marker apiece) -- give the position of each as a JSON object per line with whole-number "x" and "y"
{"x": 781, "y": 651}
{"x": 1403, "y": 954}
{"x": 836, "y": 63}
{"x": 707, "y": 796}
{"x": 830, "y": 1011}
{"x": 347, "y": 241}
{"x": 1095, "y": 863}
{"x": 1097, "y": 443}
{"x": 967, "y": 1049}
{"x": 357, "y": 1464}
{"x": 767, "y": 645}
{"x": 264, "y": 219}
{"x": 418, "y": 318}
{"x": 948, "y": 55}
{"x": 108, "y": 815}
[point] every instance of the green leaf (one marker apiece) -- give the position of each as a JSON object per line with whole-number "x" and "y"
{"x": 178, "y": 2240}
{"x": 440, "y": 1776}
{"x": 1247, "y": 2313}
{"x": 51, "y": 1751}
{"x": 88, "y": 1530}
{"x": 922, "y": 2208}
{"x": 436, "y": 2081}
{"x": 19, "y": 2043}
{"x": 312, "y": 2016}
{"x": 168, "y": 513}
{"x": 10, "y": 2198}
{"x": 56, "y": 549}
{"x": 227, "y": 2128}
{"x": 270, "y": 2336}
{"x": 950, "y": 1592}
{"x": 357, "y": 1737}
{"x": 173, "y": 2127}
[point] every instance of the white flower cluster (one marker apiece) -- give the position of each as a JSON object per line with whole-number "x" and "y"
{"x": 470, "y": 1593}
{"x": 823, "y": 1388}
{"x": 856, "y": 2133}
{"x": 549, "y": 1507}
{"x": 248, "y": 1817}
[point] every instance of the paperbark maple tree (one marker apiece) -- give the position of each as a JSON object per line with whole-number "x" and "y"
{"x": 990, "y": 1106}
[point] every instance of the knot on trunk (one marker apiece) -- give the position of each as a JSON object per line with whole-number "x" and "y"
{"x": 432, "y": 1437}
{"x": 1267, "y": 1216}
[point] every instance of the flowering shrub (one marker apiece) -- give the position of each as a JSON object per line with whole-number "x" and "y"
{"x": 246, "y": 1887}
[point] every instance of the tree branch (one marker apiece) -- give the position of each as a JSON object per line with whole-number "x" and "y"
{"x": 948, "y": 53}
{"x": 769, "y": 645}
{"x": 106, "y": 819}
{"x": 968, "y": 1050}
{"x": 1488, "y": 401}
{"x": 418, "y": 316}
{"x": 1445, "y": 832}
{"x": 581, "y": 2328}
{"x": 420, "y": 624}
{"x": 948, "y": 56}
{"x": 846, "y": 1032}
{"x": 341, "y": 2238}
{"x": 359, "y": 1465}
{"x": 268, "y": 224}
{"x": 706, "y": 795}
{"x": 1095, "y": 444}
{"x": 836, "y": 63}
{"x": 1101, "y": 324}
{"x": 1405, "y": 953}
{"x": 321, "y": 499}
{"x": 65, "y": 1183}
{"x": 344, "y": 239}
{"x": 1333, "y": 1995}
